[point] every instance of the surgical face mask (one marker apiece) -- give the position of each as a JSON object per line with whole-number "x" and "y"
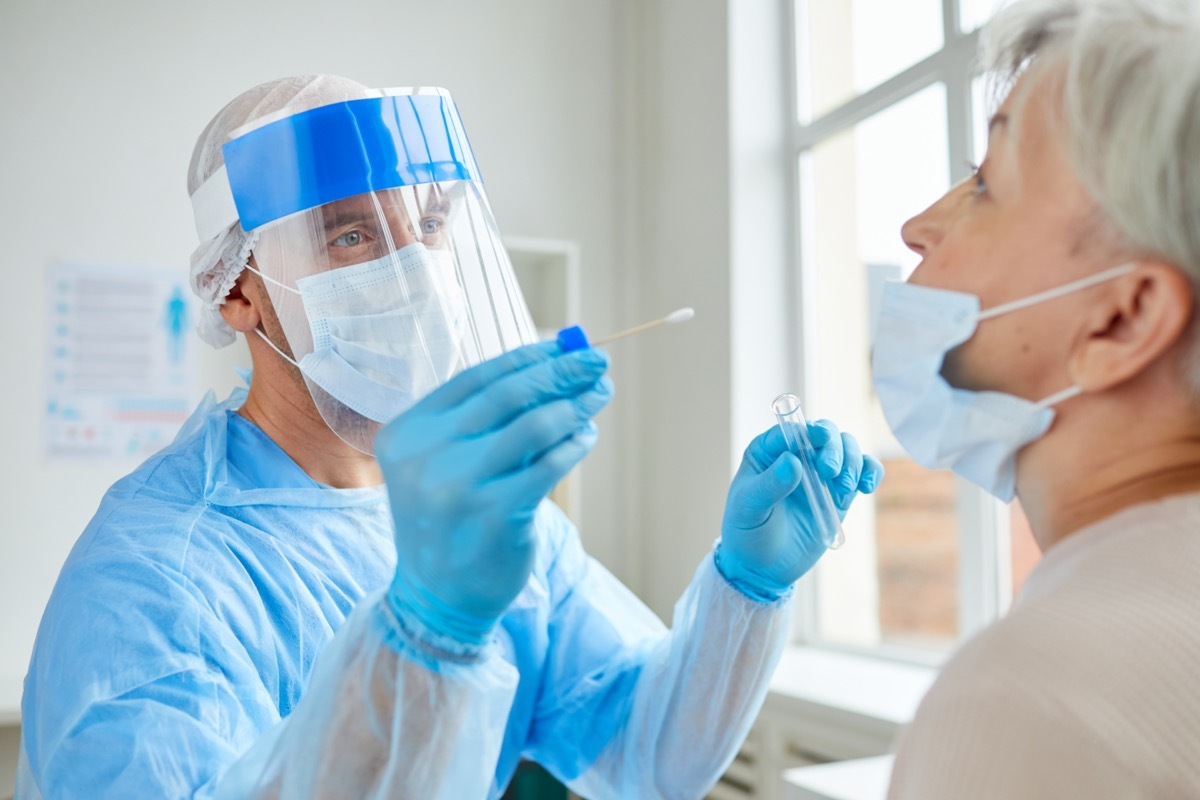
{"x": 974, "y": 434}
{"x": 385, "y": 333}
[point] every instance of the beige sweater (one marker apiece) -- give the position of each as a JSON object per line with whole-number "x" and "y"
{"x": 1088, "y": 688}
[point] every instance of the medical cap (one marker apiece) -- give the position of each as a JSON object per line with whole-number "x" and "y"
{"x": 217, "y": 262}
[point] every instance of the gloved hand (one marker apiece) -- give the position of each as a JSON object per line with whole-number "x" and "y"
{"x": 770, "y": 536}
{"x": 466, "y": 468}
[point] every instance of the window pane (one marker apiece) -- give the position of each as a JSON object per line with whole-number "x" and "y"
{"x": 982, "y": 108}
{"x": 974, "y": 13}
{"x": 895, "y": 579}
{"x": 845, "y": 47}
{"x": 916, "y": 535}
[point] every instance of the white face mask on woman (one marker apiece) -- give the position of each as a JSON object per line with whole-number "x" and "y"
{"x": 380, "y": 344}
{"x": 974, "y": 434}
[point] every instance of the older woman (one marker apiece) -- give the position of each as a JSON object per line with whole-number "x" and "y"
{"x": 1047, "y": 347}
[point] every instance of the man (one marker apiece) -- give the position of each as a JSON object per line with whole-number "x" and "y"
{"x": 345, "y": 581}
{"x": 1075, "y": 387}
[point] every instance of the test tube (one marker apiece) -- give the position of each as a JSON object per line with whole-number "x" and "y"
{"x": 795, "y": 434}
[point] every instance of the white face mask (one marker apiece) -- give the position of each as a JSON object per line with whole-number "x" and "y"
{"x": 381, "y": 343}
{"x": 974, "y": 434}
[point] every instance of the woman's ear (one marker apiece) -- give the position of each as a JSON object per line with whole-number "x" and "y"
{"x": 1133, "y": 325}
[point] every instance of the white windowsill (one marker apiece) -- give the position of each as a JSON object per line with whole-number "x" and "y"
{"x": 841, "y": 706}
{"x": 857, "y": 684}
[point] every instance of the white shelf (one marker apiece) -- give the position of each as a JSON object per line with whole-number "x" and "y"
{"x": 548, "y": 273}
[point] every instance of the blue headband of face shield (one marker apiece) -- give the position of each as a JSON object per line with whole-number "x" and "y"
{"x": 330, "y": 153}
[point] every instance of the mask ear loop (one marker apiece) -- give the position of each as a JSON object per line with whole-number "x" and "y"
{"x": 272, "y": 280}
{"x": 1060, "y": 397}
{"x": 262, "y": 335}
{"x": 274, "y": 347}
{"x": 1052, "y": 294}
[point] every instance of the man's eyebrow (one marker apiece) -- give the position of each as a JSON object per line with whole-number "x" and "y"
{"x": 338, "y": 216}
{"x": 997, "y": 121}
{"x": 434, "y": 201}
{"x": 438, "y": 204}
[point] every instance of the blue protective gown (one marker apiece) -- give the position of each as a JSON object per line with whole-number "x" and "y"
{"x": 176, "y": 656}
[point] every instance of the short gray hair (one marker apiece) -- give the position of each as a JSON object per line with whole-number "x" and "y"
{"x": 1130, "y": 77}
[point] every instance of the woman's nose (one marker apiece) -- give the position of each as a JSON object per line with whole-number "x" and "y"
{"x": 921, "y": 232}
{"x": 926, "y": 229}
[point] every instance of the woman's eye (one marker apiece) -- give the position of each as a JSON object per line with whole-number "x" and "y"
{"x": 349, "y": 239}
{"x": 980, "y": 185}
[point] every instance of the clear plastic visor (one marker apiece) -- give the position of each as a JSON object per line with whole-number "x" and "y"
{"x": 381, "y": 297}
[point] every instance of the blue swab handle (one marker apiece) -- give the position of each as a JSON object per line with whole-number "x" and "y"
{"x": 573, "y": 338}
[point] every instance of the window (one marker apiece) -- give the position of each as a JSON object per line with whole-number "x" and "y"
{"x": 888, "y": 113}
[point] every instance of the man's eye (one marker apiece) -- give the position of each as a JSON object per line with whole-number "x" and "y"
{"x": 349, "y": 239}
{"x": 431, "y": 225}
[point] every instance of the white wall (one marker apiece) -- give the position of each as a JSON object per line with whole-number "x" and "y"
{"x": 708, "y": 133}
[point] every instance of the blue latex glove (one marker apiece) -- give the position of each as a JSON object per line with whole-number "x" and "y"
{"x": 467, "y": 467}
{"x": 770, "y": 537}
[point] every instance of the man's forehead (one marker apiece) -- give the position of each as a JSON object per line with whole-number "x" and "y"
{"x": 364, "y": 204}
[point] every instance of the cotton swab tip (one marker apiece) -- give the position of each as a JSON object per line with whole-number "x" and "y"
{"x": 680, "y": 315}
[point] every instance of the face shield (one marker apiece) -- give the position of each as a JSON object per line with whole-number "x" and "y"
{"x": 377, "y": 248}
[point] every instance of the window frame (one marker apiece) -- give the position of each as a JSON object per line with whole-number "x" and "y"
{"x": 984, "y": 577}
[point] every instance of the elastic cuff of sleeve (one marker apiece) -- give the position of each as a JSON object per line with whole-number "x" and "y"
{"x": 755, "y": 593}
{"x": 406, "y": 633}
